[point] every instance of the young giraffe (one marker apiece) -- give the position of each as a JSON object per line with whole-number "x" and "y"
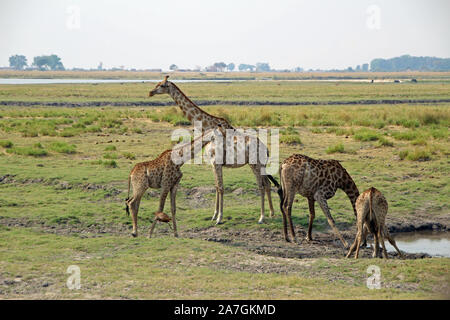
{"x": 371, "y": 208}
{"x": 161, "y": 173}
{"x": 316, "y": 180}
{"x": 194, "y": 113}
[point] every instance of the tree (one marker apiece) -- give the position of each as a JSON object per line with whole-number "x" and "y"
{"x": 100, "y": 66}
{"x": 298, "y": 69}
{"x": 262, "y": 67}
{"x": 173, "y": 67}
{"x": 220, "y": 66}
{"x": 365, "y": 67}
{"x": 407, "y": 62}
{"x": 17, "y": 62}
{"x": 246, "y": 67}
{"x": 231, "y": 66}
{"x": 52, "y": 62}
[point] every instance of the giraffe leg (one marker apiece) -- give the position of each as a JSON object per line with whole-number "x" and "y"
{"x": 392, "y": 242}
{"x": 324, "y": 206}
{"x": 269, "y": 198}
{"x": 216, "y": 210}
{"x": 312, "y": 214}
{"x": 134, "y": 207}
{"x": 358, "y": 243}
{"x": 375, "y": 248}
{"x": 380, "y": 235}
{"x": 219, "y": 192}
{"x": 152, "y": 228}
{"x": 173, "y": 208}
{"x": 162, "y": 198}
{"x": 259, "y": 179}
{"x": 354, "y": 246}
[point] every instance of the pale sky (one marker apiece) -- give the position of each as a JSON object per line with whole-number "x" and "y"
{"x": 285, "y": 33}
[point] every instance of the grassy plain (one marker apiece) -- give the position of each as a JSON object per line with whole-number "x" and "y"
{"x": 63, "y": 174}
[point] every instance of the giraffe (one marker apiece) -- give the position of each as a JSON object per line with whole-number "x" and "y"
{"x": 194, "y": 113}
{"x": 371, "y": 208}
{"x": 162, "y": 173}
{"x": 316, "y": 180}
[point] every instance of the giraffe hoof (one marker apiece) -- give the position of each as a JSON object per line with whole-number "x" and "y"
{"x": 134, "y": 234}
{"x": 260, "y": 221}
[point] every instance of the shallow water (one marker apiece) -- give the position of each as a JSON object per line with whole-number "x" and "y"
{"x": 59, "y": 81}
{"x": 434, "y": 243}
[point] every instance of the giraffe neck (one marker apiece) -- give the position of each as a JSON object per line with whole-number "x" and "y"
{"x": 195, "y": 146}
{"x": 193, "y": 112}
{"x": 350, "y": 188}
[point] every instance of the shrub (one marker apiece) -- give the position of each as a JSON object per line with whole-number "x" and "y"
{"x": 110, "y": 164}
{"x": 137, "y": 130}
{"x": 6, "y": 143}
{"x": 338, "y": 148}
{"x": 129, "y": 155}
{"x": 406, "y": 135}
{"x": 28, "y": 151}
{"x": 110, "y": 156}
{"x": 110, "y": 148}
{"x": 62, "y": 147}
{"x": 290, "y": 139}
{"x": 382, "y": 141}
{"x": 366, "y": 135}
{"x": 419, "y": 155}
{"x": 416, "y": 155}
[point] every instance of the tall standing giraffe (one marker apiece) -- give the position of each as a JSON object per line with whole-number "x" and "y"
{"x": 194, "y": 113}
{"x": 316, "y": 180}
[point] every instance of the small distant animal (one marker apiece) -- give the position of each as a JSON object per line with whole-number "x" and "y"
{"x": 371, "y": 211}
{"x": 413, "y": 80}
{"x": 397, "y": 81}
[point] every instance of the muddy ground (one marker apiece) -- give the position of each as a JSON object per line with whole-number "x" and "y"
{"x": 262, "y": 241}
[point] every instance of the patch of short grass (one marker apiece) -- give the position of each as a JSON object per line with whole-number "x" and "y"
{"x": 337, "y": 148}
{"x": 28, "y": 151}
{"x": 62, "y": 147}
{"x": 415, "y": 155}
{"x": 110, "y": 148}
{"x": 366, "y": 135}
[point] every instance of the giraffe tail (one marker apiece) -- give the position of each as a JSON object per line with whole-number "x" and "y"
{"x": 277, "y": 185}
{"x": 371, "y": 215}
{"x": 127, "y": 209}
{"x": 281, "y": 193}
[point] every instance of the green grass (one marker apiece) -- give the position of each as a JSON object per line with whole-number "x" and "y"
{"x": 62, "y": 147}
{"x": 55, "y": 189}
{"x": 338, "y": 148}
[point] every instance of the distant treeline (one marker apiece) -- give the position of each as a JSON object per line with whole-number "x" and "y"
{"x": 410, "y": 63}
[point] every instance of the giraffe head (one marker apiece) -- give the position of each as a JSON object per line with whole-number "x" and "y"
{"x": 161, "y": 88}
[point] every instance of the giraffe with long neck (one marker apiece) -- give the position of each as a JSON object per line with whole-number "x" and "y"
{"x": 208, "y": 121}
{"x": 316, "y": 180}
{"x": 163, "y": 173}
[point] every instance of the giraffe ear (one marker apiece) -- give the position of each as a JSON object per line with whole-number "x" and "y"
{"x": 165, "y": 79}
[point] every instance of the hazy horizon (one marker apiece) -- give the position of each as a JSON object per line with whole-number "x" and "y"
{"x": 155, "y": 34}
